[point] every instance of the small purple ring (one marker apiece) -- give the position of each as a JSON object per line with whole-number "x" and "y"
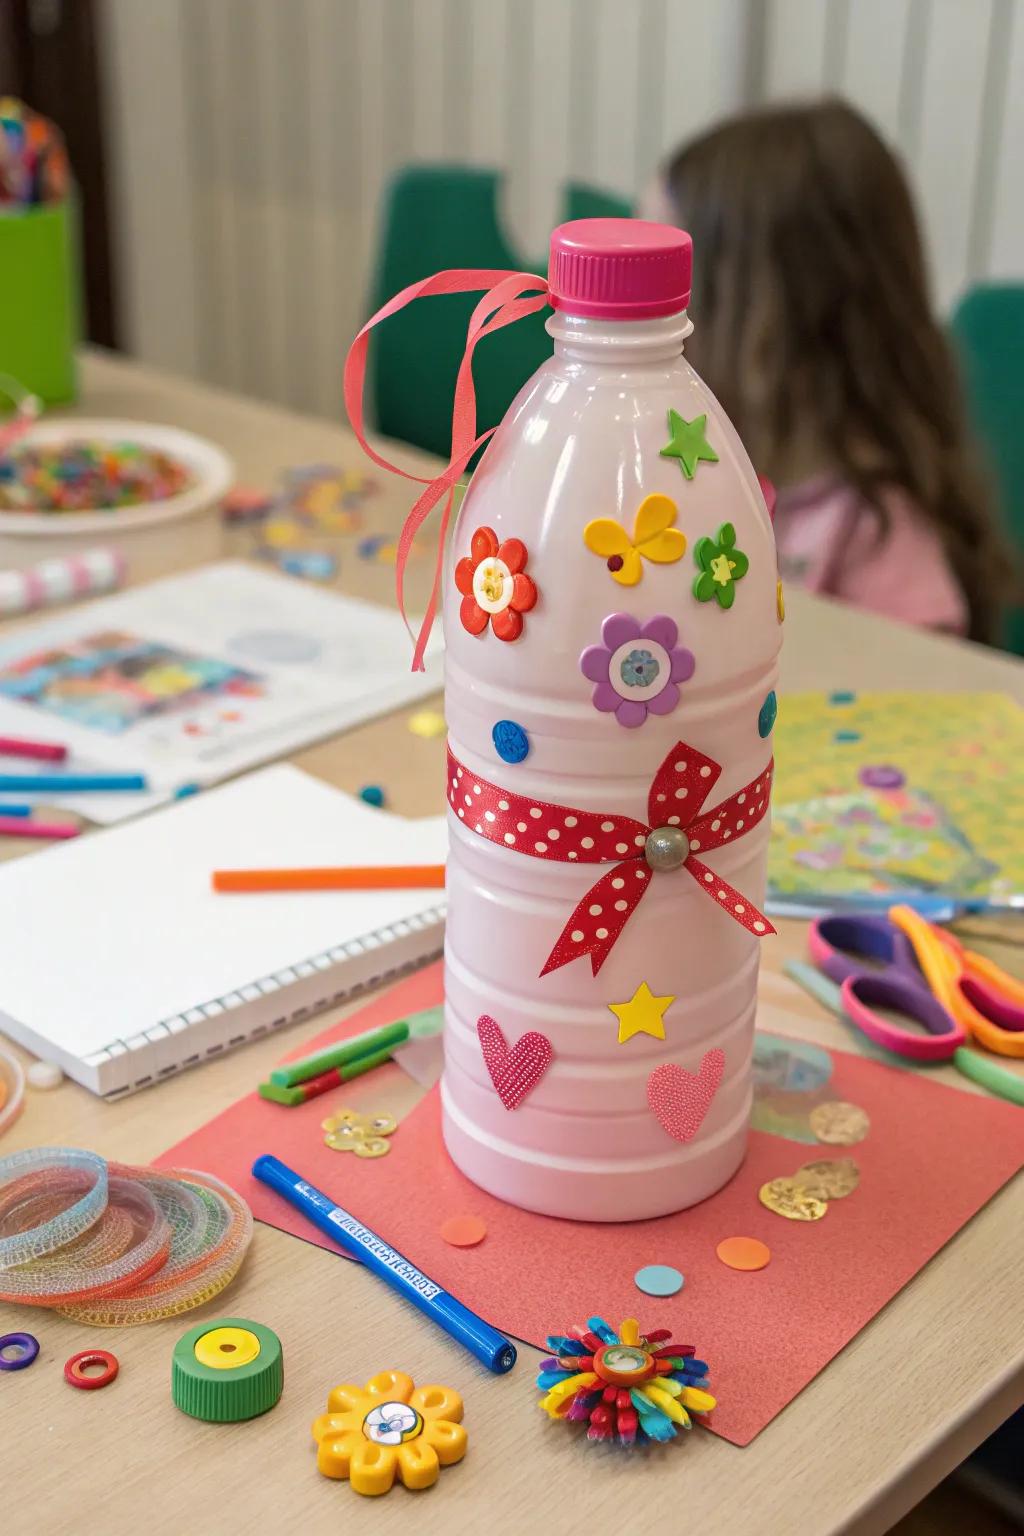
{"x": 884, "y": 776}
{"x": 26, "y": 1342}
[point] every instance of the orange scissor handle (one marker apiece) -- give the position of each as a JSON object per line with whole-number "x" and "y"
{"x": 944, "y": 963}
{"x": 985, "y": 971}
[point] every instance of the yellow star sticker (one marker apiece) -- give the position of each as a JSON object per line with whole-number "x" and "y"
{"x": 644, "y": 1014}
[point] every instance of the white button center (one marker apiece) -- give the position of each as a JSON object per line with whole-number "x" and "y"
{"x": 492, "y": 585}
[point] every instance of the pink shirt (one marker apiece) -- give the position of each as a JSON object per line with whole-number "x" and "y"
{"x": 830, "y": 542}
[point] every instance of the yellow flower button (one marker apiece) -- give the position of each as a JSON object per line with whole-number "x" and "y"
{"x": 389, "y": 1428}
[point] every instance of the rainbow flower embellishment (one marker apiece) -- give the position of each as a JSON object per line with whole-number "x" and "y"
{"x": 389, "y": 1428}
{"x": 624, "y": 1386}
{"x": 654, "y": 538}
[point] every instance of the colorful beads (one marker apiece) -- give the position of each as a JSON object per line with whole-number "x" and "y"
{"x": 77, "y": 476}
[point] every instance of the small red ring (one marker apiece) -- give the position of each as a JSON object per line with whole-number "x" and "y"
{"x": 74, "y": 1369}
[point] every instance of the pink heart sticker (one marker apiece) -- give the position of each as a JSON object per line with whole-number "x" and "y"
{"x": 515, "y": 1072}
{"x": 681, "y": 1099}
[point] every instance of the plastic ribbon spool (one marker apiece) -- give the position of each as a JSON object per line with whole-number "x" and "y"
{"x": 211, "y": 1228}
{"x": 115, "y": 1246}
{"x": 12, "y": 1090}
{"x": 48, "y": 1198}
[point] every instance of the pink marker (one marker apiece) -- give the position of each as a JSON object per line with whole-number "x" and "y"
{"x": 42, "y": 751}
{"x": 11, "y": 826}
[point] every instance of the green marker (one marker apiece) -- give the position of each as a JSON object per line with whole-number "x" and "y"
{"x": 324, "y": 1081}
{"x": 340, "y": 1055}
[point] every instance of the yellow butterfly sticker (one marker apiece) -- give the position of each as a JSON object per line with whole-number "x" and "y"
{"x": 654, "y": 538}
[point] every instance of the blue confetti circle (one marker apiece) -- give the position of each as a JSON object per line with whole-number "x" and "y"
{"x": 659, "y": 1280}
{"x": 510, "y": 741}
{"x": 372, "y": 794}
{"x": 766, "y": 717}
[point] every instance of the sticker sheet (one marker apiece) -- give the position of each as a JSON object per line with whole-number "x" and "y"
{"x": 898, "y": 794}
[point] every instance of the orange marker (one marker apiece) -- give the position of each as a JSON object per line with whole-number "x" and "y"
{"x": 368, "y": 877}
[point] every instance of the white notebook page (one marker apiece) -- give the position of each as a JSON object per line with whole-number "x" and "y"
{"x": 116, "y": 932}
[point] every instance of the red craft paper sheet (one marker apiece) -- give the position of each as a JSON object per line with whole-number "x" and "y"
{"x": 933, "y": 1157}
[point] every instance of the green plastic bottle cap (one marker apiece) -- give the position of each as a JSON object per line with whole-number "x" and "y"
{"x": 227, "y": 1370}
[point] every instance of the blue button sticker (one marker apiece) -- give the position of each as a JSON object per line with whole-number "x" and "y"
{"x": 766, "y": 717}
{"x": 510, "y": 741}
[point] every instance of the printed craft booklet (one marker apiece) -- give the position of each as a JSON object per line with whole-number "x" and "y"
{"x": 195, "y": 678}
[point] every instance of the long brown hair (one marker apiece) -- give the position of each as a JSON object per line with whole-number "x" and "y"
{"x": 811, "y": 293}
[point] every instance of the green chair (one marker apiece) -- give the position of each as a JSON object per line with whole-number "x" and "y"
{"x": 438, "y": 216}
{"x": 988, "y": 330}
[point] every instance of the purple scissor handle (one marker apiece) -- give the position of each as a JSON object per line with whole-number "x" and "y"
{"x": 874, "y": 963}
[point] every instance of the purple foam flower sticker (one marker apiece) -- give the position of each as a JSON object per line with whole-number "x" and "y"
{"x": 637, "y": 667}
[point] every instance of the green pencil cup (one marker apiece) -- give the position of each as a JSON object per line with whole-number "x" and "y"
{"x": 39, "y": 299}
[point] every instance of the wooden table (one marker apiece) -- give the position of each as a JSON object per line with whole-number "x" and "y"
{"x": 934, "y": 1373}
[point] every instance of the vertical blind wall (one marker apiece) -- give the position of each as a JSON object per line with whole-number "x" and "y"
{"x": 251, "y": 139}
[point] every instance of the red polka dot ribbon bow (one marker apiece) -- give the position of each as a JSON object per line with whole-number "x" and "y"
{"x": 558, "y": 832}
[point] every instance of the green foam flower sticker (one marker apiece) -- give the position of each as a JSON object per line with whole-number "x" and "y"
{"x": 721, "y": 564}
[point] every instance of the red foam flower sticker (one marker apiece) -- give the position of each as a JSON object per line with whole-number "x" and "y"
{"x": 494, "y": 585}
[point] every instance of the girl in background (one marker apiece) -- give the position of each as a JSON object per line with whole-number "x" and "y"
{"x": 816, "y": 333}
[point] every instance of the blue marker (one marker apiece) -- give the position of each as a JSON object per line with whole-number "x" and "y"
{"x": 15, "y": 810}
{"x": 483, "y": 1341}
{"x": 70, "y": 783}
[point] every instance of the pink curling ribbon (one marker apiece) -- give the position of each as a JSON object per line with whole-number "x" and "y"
{"x": 504, "y": 302}
{"x": 566, "y": 835}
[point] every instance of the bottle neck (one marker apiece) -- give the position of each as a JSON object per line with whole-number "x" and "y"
{"x": 585, "y": 339}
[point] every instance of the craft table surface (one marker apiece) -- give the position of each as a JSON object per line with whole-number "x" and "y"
{"x": 923, "y": 1384}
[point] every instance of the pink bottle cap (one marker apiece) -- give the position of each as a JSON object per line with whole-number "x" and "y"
{"x": 620, "y": 269}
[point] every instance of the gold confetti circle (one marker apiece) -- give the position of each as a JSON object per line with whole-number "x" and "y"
{"x": 839, "y": 1124}
{"x": 338, "y": 1121}
{"x": 787, "y": 1198}
{"x": 828, "y": 1178}
{"x": 345, "y": 1139}
{"x": 381, "y": 1125}
{"x": 373, "y": 1146}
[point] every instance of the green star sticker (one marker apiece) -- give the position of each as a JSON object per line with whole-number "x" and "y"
{"x": 688, "y": 443}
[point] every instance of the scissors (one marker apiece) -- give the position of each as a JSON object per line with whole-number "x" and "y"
{"x": 984, "y": 999}
{"x": 874, "y": 962}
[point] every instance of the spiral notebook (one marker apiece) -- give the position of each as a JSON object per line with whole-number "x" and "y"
{"x": 119, "y": 962}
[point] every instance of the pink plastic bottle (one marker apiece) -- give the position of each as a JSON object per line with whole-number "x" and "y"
{"x": 596, "y": 651}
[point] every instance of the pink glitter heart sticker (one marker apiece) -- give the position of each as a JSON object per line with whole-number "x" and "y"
{"x": 515, "y": 1072}
{"x": 681, "y": 1099}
